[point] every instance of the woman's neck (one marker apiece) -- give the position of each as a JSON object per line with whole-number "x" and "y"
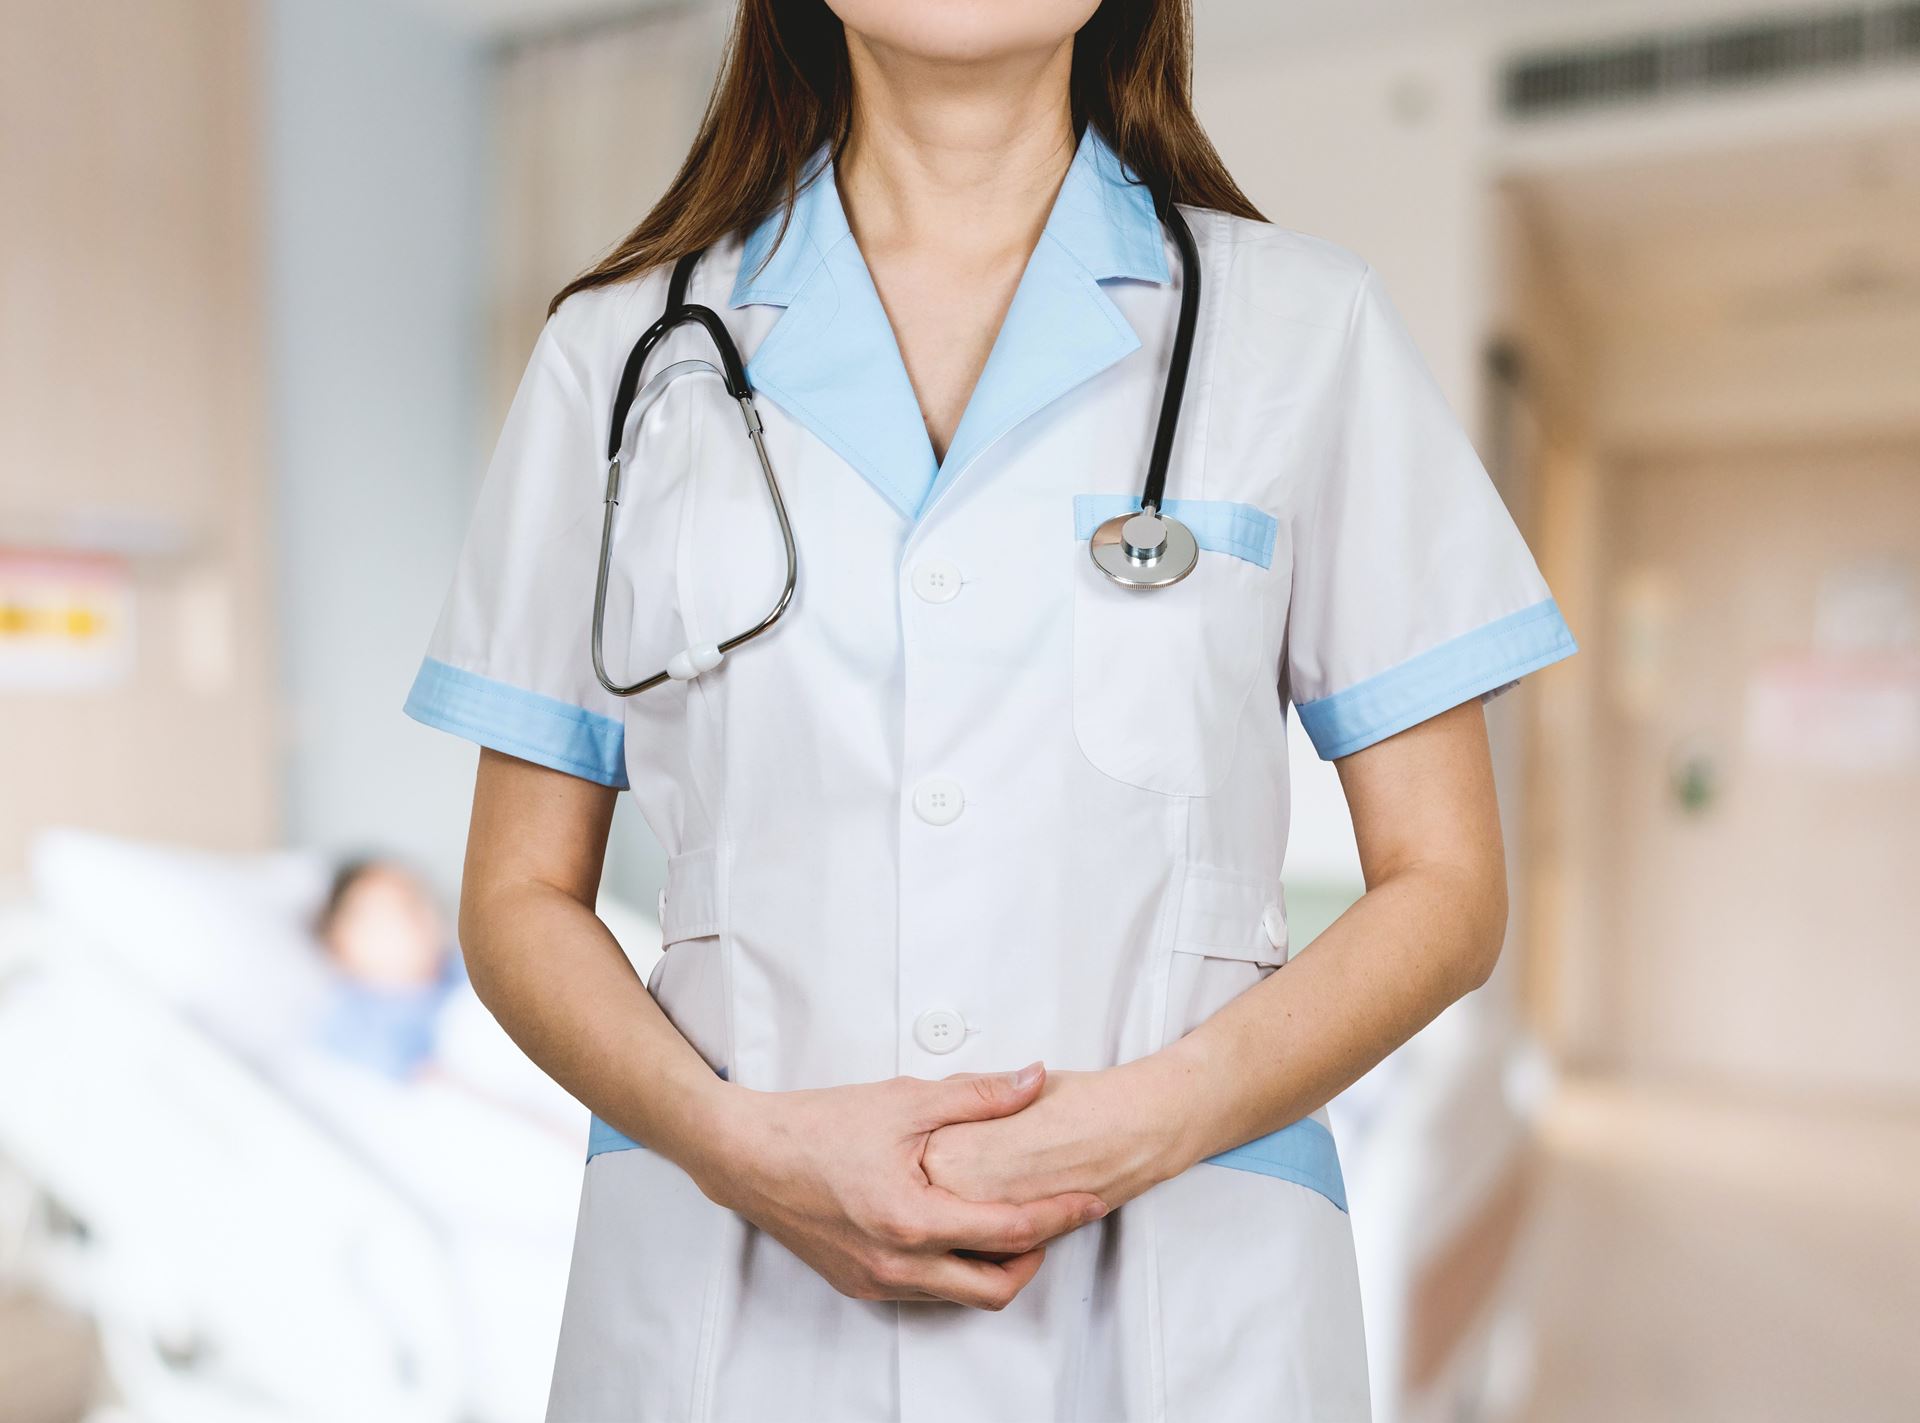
{"x": 946, "y": 156}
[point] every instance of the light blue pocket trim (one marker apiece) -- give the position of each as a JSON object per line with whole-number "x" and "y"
{"x": 543, "y": 730}
{"x": 1219, "y": 525}
{"x": 601, "y": 1137}
{"x": 1302, "y": 1153}
{"x": 1486, "y": 660}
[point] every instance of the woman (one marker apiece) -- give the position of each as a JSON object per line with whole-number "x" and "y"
{"x": 968, "y": 1088}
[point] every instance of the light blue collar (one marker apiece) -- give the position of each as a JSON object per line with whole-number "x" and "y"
{"x": 831, "y": 360}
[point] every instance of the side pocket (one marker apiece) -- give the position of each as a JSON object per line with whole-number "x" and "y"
{"x": 1263, "y": 1224}
{"x": 1292, "y": 1345}
{"x": 689, "y": 982}
{"x": 1232, "y": 933}
{"x": 632, "y": 1333}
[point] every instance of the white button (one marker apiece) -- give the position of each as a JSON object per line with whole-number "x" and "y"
{"x": 939, "y": 1030}
{"x": 937, "y": 580}
{"x": 938, "y": 801}
{"x": 1274, "y": 921}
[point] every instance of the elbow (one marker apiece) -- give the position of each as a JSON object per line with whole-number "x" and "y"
{"x": 1487, "y": 934}
{"x": 470, "y": 929}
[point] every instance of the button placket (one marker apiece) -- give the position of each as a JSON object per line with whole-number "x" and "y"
{"x": 938, "y": 975}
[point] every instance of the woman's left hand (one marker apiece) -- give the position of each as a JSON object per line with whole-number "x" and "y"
{"x": 1113, "y": 1133}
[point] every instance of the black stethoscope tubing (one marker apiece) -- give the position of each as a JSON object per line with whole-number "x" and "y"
{"x": 1119, "y": 548}
{"x": 1178, "y": 363}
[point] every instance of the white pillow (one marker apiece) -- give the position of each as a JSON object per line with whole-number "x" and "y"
{"x": 228, "y": 938}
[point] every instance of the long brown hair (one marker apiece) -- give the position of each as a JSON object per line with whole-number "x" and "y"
{"x": 785, "y": 89}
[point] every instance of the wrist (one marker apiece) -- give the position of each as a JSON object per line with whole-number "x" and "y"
{"x": 1188, "y": 1101}
{"x": 724, "y": 1121}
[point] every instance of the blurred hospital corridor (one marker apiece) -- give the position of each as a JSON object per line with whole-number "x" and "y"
{"x": 1663, "y": 259}
{"x": 1725, "y": 1258}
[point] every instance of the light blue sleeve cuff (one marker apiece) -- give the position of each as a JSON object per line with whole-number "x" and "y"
{"x": 543, "y": 730}
{"x": 1488, "y": 660}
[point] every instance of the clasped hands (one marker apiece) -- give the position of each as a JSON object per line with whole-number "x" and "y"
{"x": 911, "y": 1189}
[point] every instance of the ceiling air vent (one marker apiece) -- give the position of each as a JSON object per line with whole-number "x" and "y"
{"x": 1645, "y": 68}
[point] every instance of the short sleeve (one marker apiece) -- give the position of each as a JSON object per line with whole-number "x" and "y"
{"x": 1412, "y": 592}
{"x": 510, "y": 662}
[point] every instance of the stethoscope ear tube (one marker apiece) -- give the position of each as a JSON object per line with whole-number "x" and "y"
{"x": 731, "y": 369}
{"x": 702, "y": 657}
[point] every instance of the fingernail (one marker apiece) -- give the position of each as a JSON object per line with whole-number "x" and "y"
{"x": 1027, "y": 1076}
{"x": 1095, "y": 1211}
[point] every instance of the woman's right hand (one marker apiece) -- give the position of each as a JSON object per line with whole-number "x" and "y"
{"x": 834, "y": 1174}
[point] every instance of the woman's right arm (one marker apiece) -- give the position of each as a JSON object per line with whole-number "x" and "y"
{"x": 834, "y": 1173}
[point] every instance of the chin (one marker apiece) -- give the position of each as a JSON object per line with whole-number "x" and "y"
{"x": 965, "y": 31}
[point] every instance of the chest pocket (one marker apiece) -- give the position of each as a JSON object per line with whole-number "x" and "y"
{"x": 1162, "y": 675}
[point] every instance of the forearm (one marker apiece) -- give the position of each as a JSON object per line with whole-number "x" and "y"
{"x": 1413, "y": 944}
{"x": 560, "y": 985}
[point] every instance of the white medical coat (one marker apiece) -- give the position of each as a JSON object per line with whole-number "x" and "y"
{"x": 970, "y": 804}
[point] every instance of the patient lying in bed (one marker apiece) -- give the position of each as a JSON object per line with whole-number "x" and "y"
{"x": 386, "y": 941}
{"x": 332, "y": 1003}
{"x": 400, "y": 1014}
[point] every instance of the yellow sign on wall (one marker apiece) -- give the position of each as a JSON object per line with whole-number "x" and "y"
{"x": 66, "y": 621}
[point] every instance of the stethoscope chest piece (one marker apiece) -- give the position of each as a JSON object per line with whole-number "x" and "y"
{"x": 1144, "y": 550}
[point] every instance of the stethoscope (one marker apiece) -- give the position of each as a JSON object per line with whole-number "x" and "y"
{"x": 1145, "y": 548}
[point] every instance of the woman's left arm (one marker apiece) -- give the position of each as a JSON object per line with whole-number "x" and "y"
{"x": 1427, "y": 930}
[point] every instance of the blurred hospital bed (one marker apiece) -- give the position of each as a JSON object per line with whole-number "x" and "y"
{"x": 260, "y": 1231}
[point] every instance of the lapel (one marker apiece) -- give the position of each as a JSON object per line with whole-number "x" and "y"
{"x": 831, "y": 360}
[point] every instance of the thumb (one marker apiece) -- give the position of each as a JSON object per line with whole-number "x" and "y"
{"x": 979, "y": 1097}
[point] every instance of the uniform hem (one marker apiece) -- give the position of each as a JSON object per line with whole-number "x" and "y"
{"x": 1481, "y": 663}
{"x": 527, "y": 725}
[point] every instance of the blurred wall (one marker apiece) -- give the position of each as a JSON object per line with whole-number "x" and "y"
{"x": 378, "y": 154}
{"x": 131, "y": 448}
{"x": 1748, "y": 924}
